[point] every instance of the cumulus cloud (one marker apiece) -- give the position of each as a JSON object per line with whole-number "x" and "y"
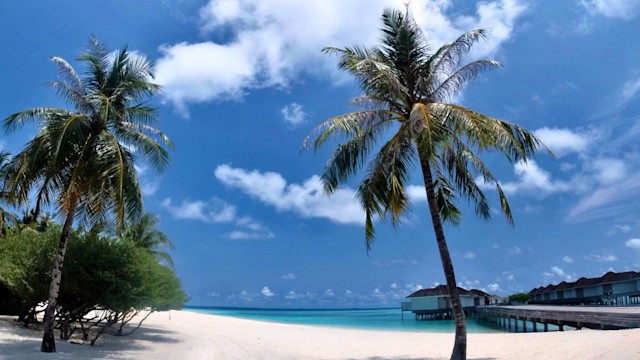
{"x": 307, "y": 200}
{"x": 269, "y": 43}
{"x": 623, "y": 9}
{"x": 556, "y": 271}
{"x": 567, "y": 259}
{"x": 562, "y": 141}
{"x": 218, "y": 211}
{"x": 600, "y": 258}
{"x": 289, "y": 276}
{"x": 493, "y": 287}
{"x": 633, "y": 243}
{"x": 329, "y": 293}
{"x": 214, "y": 212}
{"x": 266, "y": 292}
{"x": 294, "y": 114}
{"x": 534, "y": 180}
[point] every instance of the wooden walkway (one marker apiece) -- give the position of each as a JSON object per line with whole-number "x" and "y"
{"x": 600, "y": 317}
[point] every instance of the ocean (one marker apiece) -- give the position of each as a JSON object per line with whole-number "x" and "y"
{"x": 373, "y": 319}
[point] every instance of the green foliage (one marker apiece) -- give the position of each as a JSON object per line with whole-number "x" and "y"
{"x": 100, "y": 273}
{"x": 519, "y": 298}
{"x": 25, "y": 265}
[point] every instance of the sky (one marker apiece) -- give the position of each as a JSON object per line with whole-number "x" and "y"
{"x": 245, "y": 81}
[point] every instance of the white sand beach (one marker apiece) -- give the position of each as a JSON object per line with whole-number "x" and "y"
{"x": 186, "y": 335}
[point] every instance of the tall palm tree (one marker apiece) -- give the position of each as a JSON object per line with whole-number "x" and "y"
{"x": 143, "y": 232}
{"x": 82, "y": 160}
{"x": 405, "y": 117}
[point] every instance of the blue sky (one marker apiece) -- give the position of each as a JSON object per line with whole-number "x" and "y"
{"x": 244, "y": 82}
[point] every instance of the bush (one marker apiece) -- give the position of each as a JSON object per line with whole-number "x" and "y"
{"x": 101, "y": 273}
{"x": 521, "y": 298}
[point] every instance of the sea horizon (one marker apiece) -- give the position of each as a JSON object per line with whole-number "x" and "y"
{"x": 392, "y": 319}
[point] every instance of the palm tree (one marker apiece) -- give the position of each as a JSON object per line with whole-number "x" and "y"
{"x": 82, "y": 160}
{"x": 405, "y": 103}
{"x": 7, "y": 218}
{"x": 143, "y": 233}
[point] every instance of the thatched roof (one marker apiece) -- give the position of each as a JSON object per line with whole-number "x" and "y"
{"x": 607, "y": 278}
{"x": 442, "y": 290}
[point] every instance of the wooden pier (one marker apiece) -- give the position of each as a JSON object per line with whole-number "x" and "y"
{"x": 600, "y": 317}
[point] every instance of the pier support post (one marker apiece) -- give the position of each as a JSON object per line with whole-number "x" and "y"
{"x": 546, "y": 327}
{"x": 524, "y": 325}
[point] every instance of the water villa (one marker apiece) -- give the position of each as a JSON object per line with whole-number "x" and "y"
{"x": 434, "y": 303}
{"x": 612, "y": 288}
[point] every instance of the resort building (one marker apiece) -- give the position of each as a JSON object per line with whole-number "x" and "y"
{"x": 434, "y": 303}
{"x": 610, "y": 289}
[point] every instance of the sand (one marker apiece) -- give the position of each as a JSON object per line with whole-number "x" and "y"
{"x": 185, "y": 335}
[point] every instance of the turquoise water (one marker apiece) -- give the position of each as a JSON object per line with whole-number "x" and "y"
{"x": 375, "y": 319}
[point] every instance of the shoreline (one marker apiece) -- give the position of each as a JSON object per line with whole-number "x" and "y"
{"x": 189, "y": 335}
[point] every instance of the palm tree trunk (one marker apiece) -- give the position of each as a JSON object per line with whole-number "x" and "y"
{"x": 48, "y": 339}
{"x": 460, "y": 344}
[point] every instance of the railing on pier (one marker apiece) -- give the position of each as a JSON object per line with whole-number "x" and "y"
{"x": 574, "y": 316}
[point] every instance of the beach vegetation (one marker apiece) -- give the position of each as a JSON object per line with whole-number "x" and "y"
{"x": 519, "y": 298}
{"x": 82, "y": 159}
{"x": 107, "y": 282}
{"x": 405, "y": 119}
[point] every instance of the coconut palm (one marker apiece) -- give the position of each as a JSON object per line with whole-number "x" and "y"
{"x": 405, "y": 118}
{"x": 143, "y": 232}
{"x": 82, "y": 160}
{"x": 7, "y": 218}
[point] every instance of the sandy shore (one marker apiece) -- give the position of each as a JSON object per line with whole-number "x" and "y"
{"x": 185, "y": 335}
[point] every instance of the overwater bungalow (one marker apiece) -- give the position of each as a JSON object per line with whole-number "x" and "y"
{"x": 434, "y": 303}
{"x": 610, "y": 289}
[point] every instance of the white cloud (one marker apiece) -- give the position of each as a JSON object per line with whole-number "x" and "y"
{"x": 633, "y": 243}
{"x": 394, "y": 286}
{"x": 608, "y": 171}
{"x": 514, "y": 250}
{"x": 214, "y": 212}
{"x": 348, "y": 293}
{"x": 600, "y": 258}
{"x": 533, "y": 180}
{"x": 149, "y": 187}
{"x": 562, "y": 141}
{"x": 630, "y": 88}
{"x": 624, "y": 9}
{"x": 509, "y": 276}
{"x": 289, "y": 276}
{"x": 493, "y": 287}
{"x": 614, "y": 200}
{"x": 329, "y": 293}
{"x": 308, "y": 200}
{"x": 469, "y": 255}
{"x": 292, "y": 295}
{"x": 294, "y": 114}
{"x": 218, "y": 211}
{"x": 270, "y": 43}
{"x": 622, "y": 228}
{"x": 558, "y": 272}
{"x": 266, "y": 292}
{"x": 567, "y": 259}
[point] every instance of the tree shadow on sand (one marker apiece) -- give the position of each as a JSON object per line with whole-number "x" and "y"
{"x": 28, "y": 341}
